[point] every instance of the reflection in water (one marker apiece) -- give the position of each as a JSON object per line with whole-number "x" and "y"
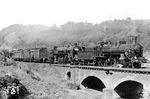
{"x": 125, "y": 90}
{"x": 134, "y": 96}
{"x": 130, "y": 96}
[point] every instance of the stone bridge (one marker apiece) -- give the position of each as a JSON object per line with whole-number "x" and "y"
{"x": 112, "y": 81}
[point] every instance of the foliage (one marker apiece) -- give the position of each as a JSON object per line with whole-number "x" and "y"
{"x": 21, "y": 36}
{"x": 7, "y": 53}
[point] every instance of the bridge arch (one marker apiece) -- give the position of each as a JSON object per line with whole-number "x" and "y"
{"x": 129, "y": 89}
{"x": 68, "y": 75}
{"x": 95, "y": 75}
{"x": 93, "y": 82}
{"x": 126, "y": 79}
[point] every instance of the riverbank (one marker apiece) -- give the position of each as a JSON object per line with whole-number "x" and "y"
{"x": 45, "y": 82}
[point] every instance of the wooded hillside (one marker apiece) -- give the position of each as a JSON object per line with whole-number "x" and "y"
{"x": 21, "y": 36}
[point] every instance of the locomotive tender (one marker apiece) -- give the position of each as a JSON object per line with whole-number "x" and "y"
{"x": 127, "y": 54}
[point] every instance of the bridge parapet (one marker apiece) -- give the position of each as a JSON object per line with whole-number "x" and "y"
{"x": 111, "y": 77}
{"x": 107, "y": 69}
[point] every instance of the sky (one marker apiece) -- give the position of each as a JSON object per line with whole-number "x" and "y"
{"x": 49, "y": 12}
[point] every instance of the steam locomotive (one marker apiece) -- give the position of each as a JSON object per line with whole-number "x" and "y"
{"x": 123, "y": 54}
{"x": 126, "y": 54}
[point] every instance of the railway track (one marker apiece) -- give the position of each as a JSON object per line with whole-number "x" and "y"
{"x": 106, "y": 69}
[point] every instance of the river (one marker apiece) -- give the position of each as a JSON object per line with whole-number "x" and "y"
{"x": 93, "y": 94}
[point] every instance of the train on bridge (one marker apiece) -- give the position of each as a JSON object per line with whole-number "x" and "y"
{"x": 126, "y": 54}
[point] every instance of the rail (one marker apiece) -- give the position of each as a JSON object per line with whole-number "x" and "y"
{"x": 107, "y": 69}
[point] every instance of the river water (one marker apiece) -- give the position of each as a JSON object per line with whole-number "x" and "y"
{"x": 93, "y": 94}
{"x": 100, "y": 95}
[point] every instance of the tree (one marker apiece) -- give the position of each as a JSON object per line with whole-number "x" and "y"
{"x": 7, "y": 54}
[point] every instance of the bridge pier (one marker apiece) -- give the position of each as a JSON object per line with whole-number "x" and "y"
{"x": 107, "y": 79}
{"x": 74, "y": 79}
{"x": 109, "y": 93}
{"x": 146, "y": 94}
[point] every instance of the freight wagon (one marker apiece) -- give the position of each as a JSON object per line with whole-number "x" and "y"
{"x": 32, "y": 55}
{"x": 39, "y": 54}
{"x": 19, "y": 55}
{"x": 26, "y": 56}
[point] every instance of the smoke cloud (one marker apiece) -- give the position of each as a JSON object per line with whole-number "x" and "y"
{"x": 22, "y": 36}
